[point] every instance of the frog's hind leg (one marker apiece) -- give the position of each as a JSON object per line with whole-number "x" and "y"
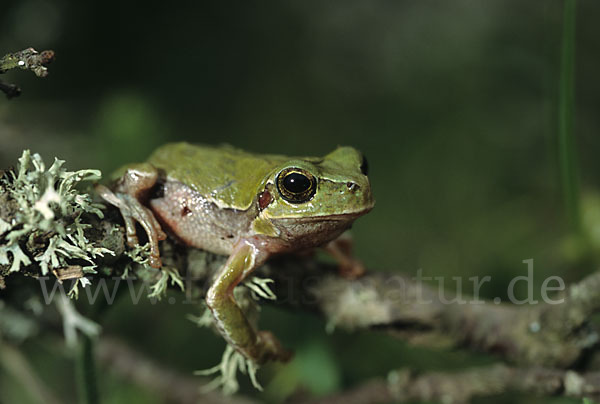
{"x": 135, "y": 211}
{"x": 113, "y": 199}
{"x": 132, "y": 186}
{"x": 259, "y": 346}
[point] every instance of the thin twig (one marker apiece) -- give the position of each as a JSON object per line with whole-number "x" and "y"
{"x": 566, "y": 112}
{"x": 27, "y": 59}
{"x": 171, "y": 386}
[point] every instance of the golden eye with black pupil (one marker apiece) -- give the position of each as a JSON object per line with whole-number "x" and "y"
{"x": 296, "y": 185}
{"x": 364, "y": 166}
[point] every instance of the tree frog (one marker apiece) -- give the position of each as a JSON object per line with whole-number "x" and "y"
{"x": 243, "y": 205}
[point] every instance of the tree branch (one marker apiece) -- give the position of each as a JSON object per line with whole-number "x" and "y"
{"x": 541, "y": 335}
{"x": 35, "y": 224}
{"x": 461, "y": 387}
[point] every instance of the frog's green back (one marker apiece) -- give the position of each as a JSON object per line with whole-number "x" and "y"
{"x": 227, "y": 176}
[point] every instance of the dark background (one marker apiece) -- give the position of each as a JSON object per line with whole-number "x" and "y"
{"x": 454, "y": 103}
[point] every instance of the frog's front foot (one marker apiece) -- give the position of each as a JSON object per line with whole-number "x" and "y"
{"x": 133, "y": 211}
{"x": 271, "y": 349}
{"x": 349, "y": 266}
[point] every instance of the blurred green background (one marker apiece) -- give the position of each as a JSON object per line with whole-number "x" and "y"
{"x": 454, "y": 103}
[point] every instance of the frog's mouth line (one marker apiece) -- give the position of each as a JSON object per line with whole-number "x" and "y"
{"x": 341, "y": 217}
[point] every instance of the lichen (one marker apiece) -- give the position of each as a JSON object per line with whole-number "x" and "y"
{"x": 159, "y": 288}
{"x": 231, "y": 362}
{"x": 259, "y": 288}
{"x": 73, "y": 322}
{"x": 139, "y": 254}
{"x": 19, "y": 257}
{"x": 48, "y": 217}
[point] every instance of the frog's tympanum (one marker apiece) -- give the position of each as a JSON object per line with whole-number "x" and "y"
{"x": 245, "y": 206}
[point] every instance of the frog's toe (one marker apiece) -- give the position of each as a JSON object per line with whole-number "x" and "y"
{"x": 160, "y": 234}
{"x": 271, "y": 348}
{"x": 154, "y": 261}
{"x": 132, "y": 240}
{"x": 351, "y": 269}
{"x": 133, "y": 211}
{"x": 130, "y": 231}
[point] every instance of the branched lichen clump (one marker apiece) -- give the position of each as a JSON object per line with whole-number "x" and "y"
{"x": 47, "y": 213}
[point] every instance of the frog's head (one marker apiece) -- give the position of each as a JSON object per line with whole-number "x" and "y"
{"x": 328, "y": 192}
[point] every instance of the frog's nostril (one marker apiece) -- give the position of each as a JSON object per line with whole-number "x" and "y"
{"x": 352, "y": 186}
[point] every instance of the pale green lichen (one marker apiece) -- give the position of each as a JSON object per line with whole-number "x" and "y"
{"x": 159, "y": 289}
{"x": 205, "y": 319}
{"x": 4, "y": 227}
{"x": 139, "y": 254}
{"x": 48, "y": 203}
{"x": 259, "y": 288}
{"x": 356, "y": 298}
{"x": 74, "y": 292}
{"x": 73, "y": 321}
{"x": 19, "y": 257}
{"x": 231, "y": 362}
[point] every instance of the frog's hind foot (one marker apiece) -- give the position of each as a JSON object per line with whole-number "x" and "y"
{"x": 271, "y": 348}
{"x": 133, "y": 211}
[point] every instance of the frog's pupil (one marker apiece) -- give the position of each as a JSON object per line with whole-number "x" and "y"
{"x": 296, "y": 183}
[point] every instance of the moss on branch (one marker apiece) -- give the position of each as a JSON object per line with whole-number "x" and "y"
{"x": 26, "y": 59}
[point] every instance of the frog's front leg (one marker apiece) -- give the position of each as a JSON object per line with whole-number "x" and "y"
{"x": 133, "y": 186}
{"x": 259, "y": 346}
{"x": 340, "y": 249}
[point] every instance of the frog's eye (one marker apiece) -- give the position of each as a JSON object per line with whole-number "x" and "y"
{"x": 296, "y": 185}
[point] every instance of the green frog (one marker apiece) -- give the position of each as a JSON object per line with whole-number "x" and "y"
{"x": 246, "y": 206}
